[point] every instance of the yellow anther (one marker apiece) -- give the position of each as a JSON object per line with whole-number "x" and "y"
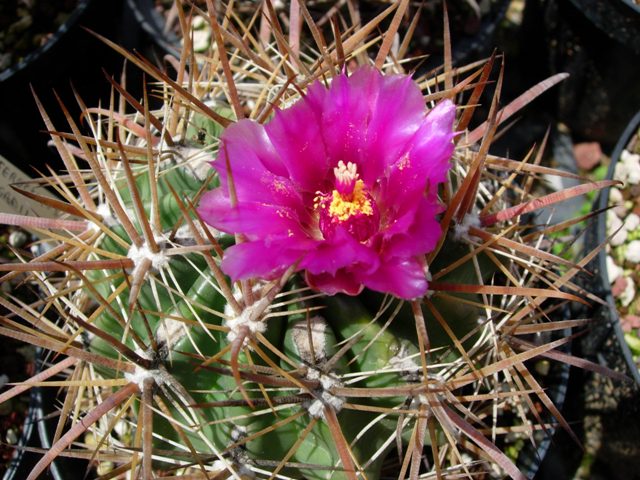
{"x": 342, "y": 209}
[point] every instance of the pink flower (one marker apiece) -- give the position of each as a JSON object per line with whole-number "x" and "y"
{"x": 344, "y": 182}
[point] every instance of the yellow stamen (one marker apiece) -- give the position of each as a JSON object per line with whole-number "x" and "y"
{"x": 342, "y": 209}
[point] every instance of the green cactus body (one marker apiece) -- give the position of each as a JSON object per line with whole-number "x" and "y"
{"x": 313, "y": 351}
{"x": 186, "y": 314}
{"x": 221, "y": 426}
{"x": 372, "y": 352}
{"x": 461, "y": 316}
{"x": 386, "y": 358}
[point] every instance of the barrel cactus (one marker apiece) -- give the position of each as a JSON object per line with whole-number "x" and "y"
{"x": 299, "y": 265}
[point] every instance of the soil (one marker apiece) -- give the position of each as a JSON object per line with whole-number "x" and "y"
{"x": 26, "y": 25}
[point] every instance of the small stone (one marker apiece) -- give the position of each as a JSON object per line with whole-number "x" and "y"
{"x": 542, "y": 367}
{"x": 198, "y": 22}
{"x": 632, "y": 222}
{"x": 12, "y": 436}
{"x": 515, "y": 12}
{"x": 588, "y": 155}
{"x": 620, "y": 172}
{"x": 41, "y": 248}
{"x": 18, "y": 238}
{"x": 613, "y": 222}
{"x": 619, "y": 287}
{"x": 201, "y": 40}
{"x": 633, "y": 251}
{"x": 627, "y": 157}
{"x": 629, "y": 293}
{"x": 631, "y": 162}
{"x": 90, "y": 440}
{"x": 620, "y": 210}
{"x": 613, "y": 228}
{"x": 631, "y": 322}
{"x": 23, "y": 23}
{"x": 613, "y": 270}
{"x": 615, "y": 196}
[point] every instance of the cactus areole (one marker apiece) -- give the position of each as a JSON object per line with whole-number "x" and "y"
{"x": 343, "y": 182}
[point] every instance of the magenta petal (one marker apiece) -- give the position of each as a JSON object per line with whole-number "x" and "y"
{"x": 403, "y": 277}
{"x": 251, "y": 218}
{"x": 261, "y": 259}
{"x": 246, "y": 133}
{"x": 342, "y": 282}
{"x": 257, "y": 171}
{"x": 418, "y": 234}
{"x": 345, "y": 114}
{"x": 395, "y": 118}
{"x": 340, "y": 252}
{"x": 295, "y": 134}
{"x": 425, "y": 164}
{"x": 434, "y": 141}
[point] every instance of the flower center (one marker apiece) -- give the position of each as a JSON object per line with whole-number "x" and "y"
{"x": 349, "y": 205}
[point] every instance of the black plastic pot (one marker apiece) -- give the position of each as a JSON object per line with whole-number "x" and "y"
{"x": 598, "y": 43}
{"x": 598, "y": 235}
{"x": 37, "y": 428}
{"x": 472, "y": 37}
{"x": 22, "y": 460}
{"x": 46, "y": 62}
{"x": 604, "y": 413}
{"x": 38, "y": 432}
{"x": 152, "y": 24}
{"x": 72, "y": 56}
{"x": 618, "y": 19}
{"x": 618, "y": 410}
{"x": 50, "y": 47}
{"x": 479, "y": 41}
{"x": 555, "y": 380}
{"x": 62, "y": 468}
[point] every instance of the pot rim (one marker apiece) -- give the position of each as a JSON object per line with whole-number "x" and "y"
{"x": 36, "y": 54}
{"x": 600, "y": 203}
